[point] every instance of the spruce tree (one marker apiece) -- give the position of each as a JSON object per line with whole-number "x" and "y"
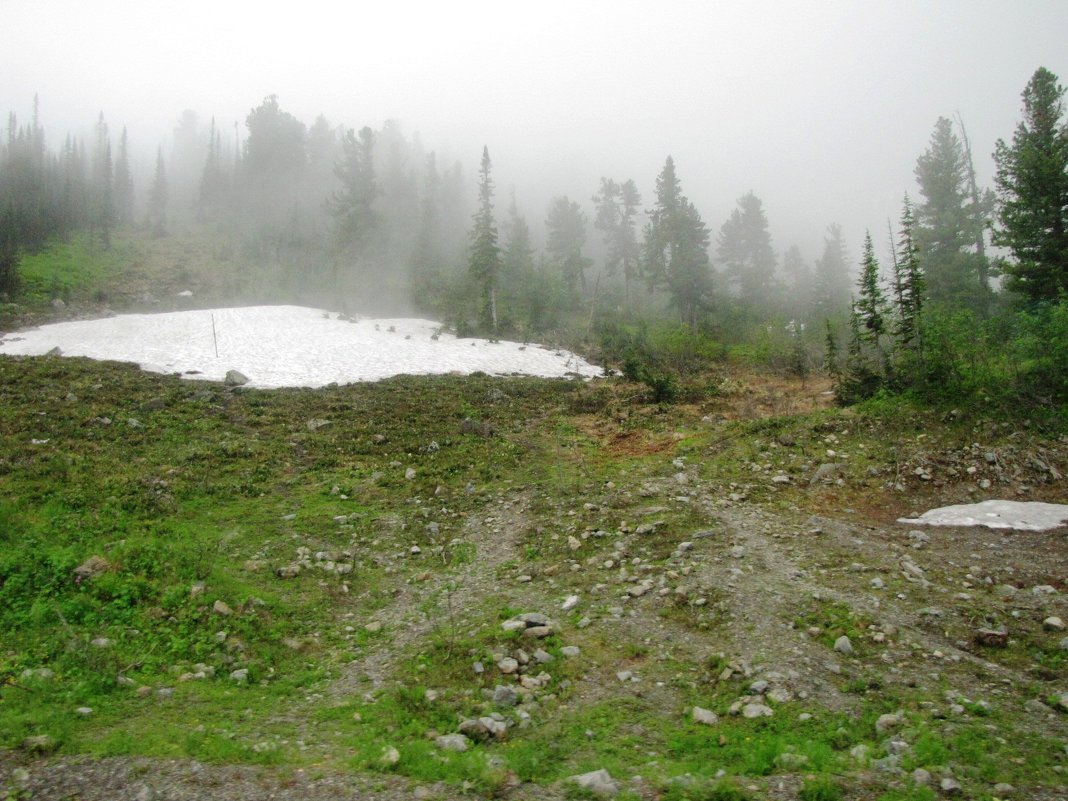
{"x": 1032, "y": 184}
{"x": 675, "y": 253}
{"x": 484, "y": 255}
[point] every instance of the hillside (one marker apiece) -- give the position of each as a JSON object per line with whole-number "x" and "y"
{"x": 312, "y": 593}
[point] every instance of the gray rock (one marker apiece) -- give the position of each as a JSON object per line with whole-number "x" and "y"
{"x": 40, "y": 744}
{"x": 542, "y": 657}
{"x": 235, "y": 378}
{"x": 504, "y": 695}
{"x": 240, "y": 675}
{"x": 889, "y": 764}
{"x": 950, "y": 786}
{"x": 597, "y": 781}
{"x": 1053, "y": 623}
{"x": 791, "y": 761}
{"x": 825, "y": 473}
{"x": 569, "y": 603}
{"x": 843, "y": 645}
{"x": 452, "y": 742}
{"x": 757, "y": 711}
{"x": 887, "y": 723}
{"x": 534, "y": 619}
{"x": 705, "y": 716}
{"x": 508, "y": 665}
{"x": 221, "y": 608}
{"x": 574, "y": 650}
{"x": 921, "y": 776}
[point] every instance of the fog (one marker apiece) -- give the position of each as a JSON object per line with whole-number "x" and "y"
{"x": 820, "y": 109}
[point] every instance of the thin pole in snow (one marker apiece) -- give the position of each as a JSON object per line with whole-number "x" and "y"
{"x": 214, "y": 338}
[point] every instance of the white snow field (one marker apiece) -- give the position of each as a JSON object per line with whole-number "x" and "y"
{"x": 290, "y": 346}
{"x": 1019, "y": 515}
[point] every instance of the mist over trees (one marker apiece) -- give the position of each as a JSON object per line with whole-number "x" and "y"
{"x": 358, "y": 218}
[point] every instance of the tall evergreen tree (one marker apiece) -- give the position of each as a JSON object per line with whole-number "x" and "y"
{"x": 910, "y": 286}
{"x": 950, "y": 220}
{"x": 675, "y": 252}
{"x": 484, "y": 255}
{"x": 616, "y": 217}
{"x": 871, "y": 302}
{"x": 1032, "y": 183}
{"x": 157, "y": 198}
{"x": 566, "y": 228}
{"x": 831, "y": 291}
{"x": 124, "y": 188}
{"x": 746, "y": 252}
{"x": 352, "y": 206}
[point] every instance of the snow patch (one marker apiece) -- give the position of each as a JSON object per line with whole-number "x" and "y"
{"x": 1019, "y": 515}
{"x": 291, "y": 346}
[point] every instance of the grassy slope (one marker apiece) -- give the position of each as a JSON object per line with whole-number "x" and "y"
{"x": 193, "y": 494}
{"x": 178, "y": 484}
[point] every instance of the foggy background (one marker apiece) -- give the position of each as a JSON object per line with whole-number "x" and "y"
{"x": 820, "y": 109}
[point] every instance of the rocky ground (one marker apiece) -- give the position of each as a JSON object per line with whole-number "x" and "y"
{"x": 682, "y": 609}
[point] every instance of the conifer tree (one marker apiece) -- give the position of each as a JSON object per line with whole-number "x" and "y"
{"x": 124, "y": 189}
{"x": 1032, "y": 183}
{"x": 675, "y": 253}
{"x": 484, "y": 255}
{"x": 566, "y": 227}
{"x": 157, "y": 198}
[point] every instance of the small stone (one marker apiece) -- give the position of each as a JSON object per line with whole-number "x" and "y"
{"x": 843, "y": 645}
{"x": 598, "y": 781}
{"x": 505, "y": 696}
{"x": 624, "y": 675}
{"x": 950, "y": 786}
{"x": 453, "y": 742}
{"x": 235, "y": 378}
{"x": 569, "y": 603}
{"x": 373, "y": 627}
{"x": 791, "y": 762}
{"x": 508, "y": 665}
{"x": 390, "y": 757}
{"x": 221, "y": 608}
{"x": 409, "y": 474}
{"x": 570, "y": 650}
{"x": 538, "y": 632}
{"x": 1003, "y": 789}
{"x": 921, "y": 776}
{"x": 757, "y": 711}
{"x": 542, "y": 657}
{"x": 83, "y": 711}
{"x": 240, "y": 675}
{"x": 887, "y": 723}
{"x": 1053, "y": 623}
{"x": 705, "y": 716}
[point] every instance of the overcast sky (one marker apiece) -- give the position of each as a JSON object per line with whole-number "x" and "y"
{"x": 820, "y": 108}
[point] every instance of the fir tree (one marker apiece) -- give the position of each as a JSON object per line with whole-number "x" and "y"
{"x": 675, "y": 254}
{"x": 1032, "y": 183}
{"x": 484, "y": 255}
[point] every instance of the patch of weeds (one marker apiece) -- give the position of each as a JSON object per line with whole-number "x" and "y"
{"x": 835, "y": 620}
{"x": 820, "y": 788}
{"x": 687, "y": 788}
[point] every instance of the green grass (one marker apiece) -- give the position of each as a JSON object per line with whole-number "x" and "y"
{"x": 216, "y": 489}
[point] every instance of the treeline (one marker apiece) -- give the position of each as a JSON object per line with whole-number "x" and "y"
{"x": 935, "y": 326}
{"x": 356, "y": 215}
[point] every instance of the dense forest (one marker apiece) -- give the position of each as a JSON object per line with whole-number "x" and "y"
{"x": 970, "y": 302}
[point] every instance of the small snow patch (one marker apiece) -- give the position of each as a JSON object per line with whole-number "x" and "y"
{"x": 1018, "y": 515}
